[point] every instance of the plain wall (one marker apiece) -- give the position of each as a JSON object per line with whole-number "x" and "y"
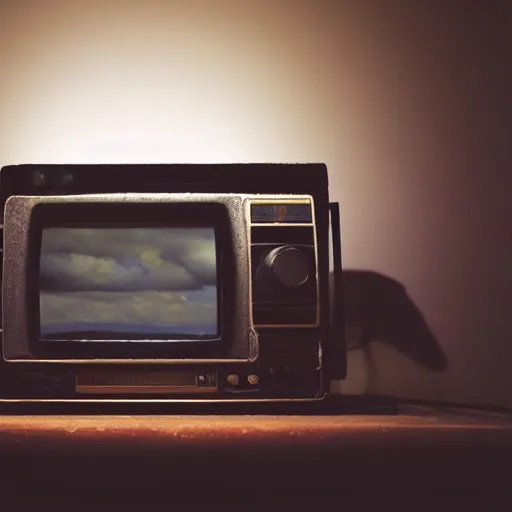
{"x": 406, "y": 105}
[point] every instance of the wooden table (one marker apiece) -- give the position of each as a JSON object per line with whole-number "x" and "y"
{"x": 222, "y": 458}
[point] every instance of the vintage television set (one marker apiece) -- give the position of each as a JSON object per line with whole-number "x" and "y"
{"x": 169, "y": 283}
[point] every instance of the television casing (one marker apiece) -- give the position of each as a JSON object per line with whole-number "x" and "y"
{"x": 266, "y": 351}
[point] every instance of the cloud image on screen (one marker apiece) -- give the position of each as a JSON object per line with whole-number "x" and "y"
{"x": 128, "y": 283}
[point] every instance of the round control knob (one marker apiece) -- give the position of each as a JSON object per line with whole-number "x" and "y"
{"x": 289, "y": 266}
{"x": 253, "y": 379}
{"x": 233, "y": 380}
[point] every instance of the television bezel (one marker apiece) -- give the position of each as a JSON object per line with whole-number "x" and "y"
{"x": 26, "y": 217}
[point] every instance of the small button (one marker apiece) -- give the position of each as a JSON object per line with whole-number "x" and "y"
{"x": 253, "y": 379}
{"x": 233, "y": 380}
{"x": 203, "y": 380}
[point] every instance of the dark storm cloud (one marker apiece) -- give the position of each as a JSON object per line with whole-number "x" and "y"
{"x": 127, "y": 259}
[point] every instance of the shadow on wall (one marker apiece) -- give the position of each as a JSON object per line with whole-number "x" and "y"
{"x": 378, "y": 308}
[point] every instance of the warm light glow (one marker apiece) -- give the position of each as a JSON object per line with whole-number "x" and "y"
{"x": 165, "y": 82}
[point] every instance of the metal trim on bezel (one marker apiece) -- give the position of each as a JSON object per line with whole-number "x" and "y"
{"x": 161, "y": 400}
{"x": 248, "y": 199}
{"x": 130, "y": 361}
{"x": 135, "y": 198}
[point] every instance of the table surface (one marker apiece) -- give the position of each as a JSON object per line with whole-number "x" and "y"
{"x": 245, "y": 425}
{"x": 296, "y": 456}
{"x": 422, "y": 427}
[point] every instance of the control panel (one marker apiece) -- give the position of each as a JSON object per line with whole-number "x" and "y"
{"x": 283, "y": 263}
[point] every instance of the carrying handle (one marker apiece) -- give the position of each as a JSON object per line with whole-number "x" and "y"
{"x": 337, "y": 357}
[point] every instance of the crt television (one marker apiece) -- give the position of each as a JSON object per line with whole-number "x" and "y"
{"x": 169, "y": 283}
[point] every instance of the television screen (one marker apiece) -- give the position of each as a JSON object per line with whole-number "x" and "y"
{"x": 127, "y": 283}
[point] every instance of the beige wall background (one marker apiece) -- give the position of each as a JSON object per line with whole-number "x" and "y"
{"x": 407, "y": 105}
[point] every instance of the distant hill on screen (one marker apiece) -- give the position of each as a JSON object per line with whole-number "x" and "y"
{"x": 141, "y": 329}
